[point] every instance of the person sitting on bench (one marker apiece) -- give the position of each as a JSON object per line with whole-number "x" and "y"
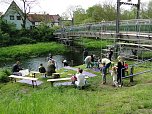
{"x": 80, "y": 83}
{"x": 16, "y": 68}
{"x": 42, "y": 69}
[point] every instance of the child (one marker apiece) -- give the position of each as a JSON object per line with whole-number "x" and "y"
{"x": 114, "y": 76}
{"x": 126, "y": 67}
{"x": 74, "y": 78}
{"x": 103, "y": 71}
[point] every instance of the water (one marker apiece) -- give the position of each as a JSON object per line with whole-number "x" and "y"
{"x": 74, "y": 58}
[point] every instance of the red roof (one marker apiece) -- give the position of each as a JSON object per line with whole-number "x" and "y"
{"x": 43, "y": 18}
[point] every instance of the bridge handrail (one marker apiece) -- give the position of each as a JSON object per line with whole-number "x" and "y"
{"x": 142, "y": 62}
{"x": 137, "y": 74}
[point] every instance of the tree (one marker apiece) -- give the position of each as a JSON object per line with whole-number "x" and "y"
{"x": 79, "y": 15}
{"x": 69, "y": 13}
{"x": 99, "y": 12}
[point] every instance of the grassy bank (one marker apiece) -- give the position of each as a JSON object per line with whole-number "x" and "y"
{"x": 26, "y": 51}
{"x": 17, "y": 98}
{"x": 93, "y": 43}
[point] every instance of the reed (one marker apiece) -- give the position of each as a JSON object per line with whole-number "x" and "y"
{"x": 26, "y": 51}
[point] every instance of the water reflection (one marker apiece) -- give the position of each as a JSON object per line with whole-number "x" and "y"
{"x": 74, "y": 56}
{"x": 33, "y": 63}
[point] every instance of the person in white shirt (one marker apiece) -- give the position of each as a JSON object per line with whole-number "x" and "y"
{"x": 80, "y": 79}
{"x": 87, "y": 61}
{"x": 107, "y": 62}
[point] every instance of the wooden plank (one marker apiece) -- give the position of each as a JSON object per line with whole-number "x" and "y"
{"x": 58, "y": 79}
{"x": 23, "y": 77}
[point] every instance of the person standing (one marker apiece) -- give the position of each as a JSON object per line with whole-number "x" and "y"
{"x": 107, "y": 63}
{"x": 103, "y": 71}
{"x": 110, "y": 54}
{"x": 87, "y": 61}
{"x": 114, "y": 76}
{"x": 120, "y": 70}
{"x": 85, "y": 53}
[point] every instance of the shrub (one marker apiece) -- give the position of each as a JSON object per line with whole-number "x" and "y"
{"x": 26, "y": 40}
{"x": 4, "y": 76}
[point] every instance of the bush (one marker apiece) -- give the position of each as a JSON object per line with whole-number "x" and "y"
{"x": 4, "y": 76}
{"x": 26, "y": 40}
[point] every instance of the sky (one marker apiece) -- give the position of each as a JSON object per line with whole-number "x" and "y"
{"x": 59, "y": 6}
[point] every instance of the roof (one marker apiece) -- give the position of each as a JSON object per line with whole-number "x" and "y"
{"x": 56, "y": 18}
{"x": 14, "y": 6}
{"x": 43, "y": 17}
{"x": 34, "y": 17}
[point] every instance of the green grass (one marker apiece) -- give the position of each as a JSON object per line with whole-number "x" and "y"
{"x": 26, "y": 51}
{"x": 17, "y": 98}
{"x": 92, "y": 43}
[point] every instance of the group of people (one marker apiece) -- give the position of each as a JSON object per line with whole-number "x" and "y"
{"x": 93, "y": 61}
{"x": 117, "y": 72}
{"x": 103, "y": 64}
{"x": 48, "y": 71}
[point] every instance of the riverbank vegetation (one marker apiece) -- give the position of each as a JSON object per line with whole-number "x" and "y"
{"x": 92, "y": 43}
{"x": 9, "y": 35}
{"x": 28, "y": 50}
{"x": 95, "y": 98}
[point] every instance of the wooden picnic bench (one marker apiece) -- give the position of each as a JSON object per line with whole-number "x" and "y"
{"x": 23, "y": 77}
{"x": 58, "y": 79}
{"x": 61, "y": 79}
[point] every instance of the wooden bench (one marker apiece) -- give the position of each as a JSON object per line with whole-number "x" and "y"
{"x": 61, "y": 79}
{"x": 23, "y": 77}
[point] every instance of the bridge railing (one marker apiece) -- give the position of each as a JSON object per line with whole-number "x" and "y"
{"x": 138, "y": 69}
{"x": 133, "y": 25}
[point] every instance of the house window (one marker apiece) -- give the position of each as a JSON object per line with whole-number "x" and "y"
{"x": 11, "y": 17}
{"x": 18, "y": 17}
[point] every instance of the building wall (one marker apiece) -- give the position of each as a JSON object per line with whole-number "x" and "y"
{"x": 15, "y": 21}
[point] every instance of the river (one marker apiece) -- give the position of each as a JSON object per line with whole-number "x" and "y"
{"x": 74, "y": 58}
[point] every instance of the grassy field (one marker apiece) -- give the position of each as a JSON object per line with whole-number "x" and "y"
{"x": 26, "y": 51}
{"x": 17, "y": 98}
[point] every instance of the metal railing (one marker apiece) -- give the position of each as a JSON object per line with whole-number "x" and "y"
{"x": 132, "y": 74}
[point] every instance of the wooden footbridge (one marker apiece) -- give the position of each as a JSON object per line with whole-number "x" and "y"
{"x": 134, "y": 34}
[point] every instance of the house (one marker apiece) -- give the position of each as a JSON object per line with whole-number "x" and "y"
{"x": 15, "y": 15}
{"x": 50, "y": 20}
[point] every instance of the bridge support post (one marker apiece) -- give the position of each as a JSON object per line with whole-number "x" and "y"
{"x": 131, "y": 74}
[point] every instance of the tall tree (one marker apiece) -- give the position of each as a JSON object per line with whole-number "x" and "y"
{"x": 79, "y": 15}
